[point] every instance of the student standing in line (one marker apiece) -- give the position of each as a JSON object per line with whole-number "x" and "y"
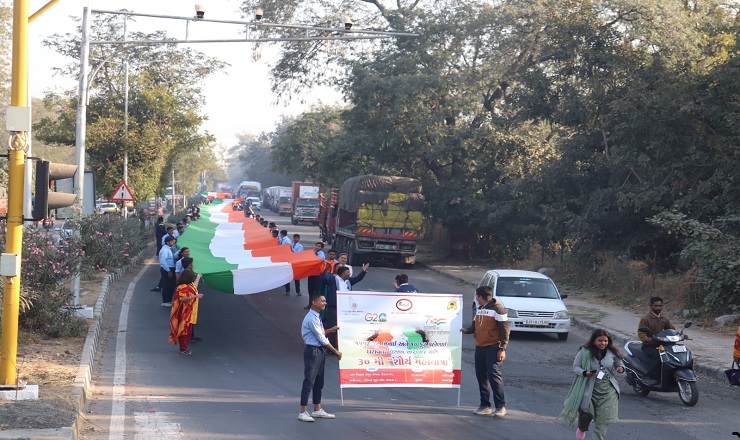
{"x": 314, "y": 359}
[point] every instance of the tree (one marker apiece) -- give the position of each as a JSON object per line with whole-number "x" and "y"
{"x": 165, "y": 104}
{"x": 254, "y": 162}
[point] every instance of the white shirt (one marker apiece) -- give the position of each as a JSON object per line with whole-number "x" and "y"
{"x": 285, "y": 240}
{"x": 297, "y": 247}
{"x": 342, "y": 285}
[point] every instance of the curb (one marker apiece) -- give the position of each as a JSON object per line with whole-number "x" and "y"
{"x": 712, "y": 371}
{"x": 83, "y": 385}
{"x": 83, "y": 381}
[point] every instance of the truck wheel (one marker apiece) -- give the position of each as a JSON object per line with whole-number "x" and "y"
{"x": 354, "y": 258}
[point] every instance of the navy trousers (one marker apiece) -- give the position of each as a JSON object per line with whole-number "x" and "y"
{"x": 488, "y": 373}
{"x": 314, "y": 359}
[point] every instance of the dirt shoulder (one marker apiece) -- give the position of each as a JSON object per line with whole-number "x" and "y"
{"x": 52, "y": 364}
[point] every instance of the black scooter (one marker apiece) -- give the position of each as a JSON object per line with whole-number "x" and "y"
{"x": 676, "y": 370}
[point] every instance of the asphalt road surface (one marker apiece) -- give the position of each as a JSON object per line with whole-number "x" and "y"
{"x": 243, "y": 380}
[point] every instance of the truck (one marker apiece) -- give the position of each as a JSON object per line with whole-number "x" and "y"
{"x": 249, "y": 188}
{"x": 284, "y": 197}
{"x": 305, "y": 202}
{"x": 373, "y": 218}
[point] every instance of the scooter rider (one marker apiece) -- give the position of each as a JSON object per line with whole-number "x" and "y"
{"x": 656, "y": 322}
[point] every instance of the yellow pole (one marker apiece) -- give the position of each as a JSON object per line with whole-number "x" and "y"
{"x": 16, "y": 167}
{"x": 43, "y": 9}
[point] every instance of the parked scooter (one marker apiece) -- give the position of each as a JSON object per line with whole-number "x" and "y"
{"x": 676, "y": 370}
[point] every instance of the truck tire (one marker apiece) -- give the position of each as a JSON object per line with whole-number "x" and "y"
{"x": 354, "y": 258}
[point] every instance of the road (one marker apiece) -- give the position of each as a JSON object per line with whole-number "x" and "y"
{"x": 243, "y": 381}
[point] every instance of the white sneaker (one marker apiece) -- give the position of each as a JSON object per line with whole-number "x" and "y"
{"x": 482, "y": 411}
{"x": 166, "y": 304}
{"x": 321, "y": 414}
{"x": 500, "y": 412}
{"x": 305, "y": 417}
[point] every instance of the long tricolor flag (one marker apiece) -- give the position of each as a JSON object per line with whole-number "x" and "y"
{"x": 237, "y": 255}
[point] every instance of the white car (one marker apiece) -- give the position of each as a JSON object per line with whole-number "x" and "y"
{"x": 108, "y": 208}
{"x": 532, "y": 301}
{"x": 256, "y": 204}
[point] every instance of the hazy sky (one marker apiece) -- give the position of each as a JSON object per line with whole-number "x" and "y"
{"x": 238, "y": 99}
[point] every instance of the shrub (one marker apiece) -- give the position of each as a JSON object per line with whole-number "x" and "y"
{"x": 50, "y": 317}
{"x": 50, "y": 259}
{"x": 110, "y": 242}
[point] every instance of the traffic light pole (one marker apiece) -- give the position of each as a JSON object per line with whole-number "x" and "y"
{"x": 16, "y": 168}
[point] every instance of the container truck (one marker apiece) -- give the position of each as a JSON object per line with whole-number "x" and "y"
{"x": 305, "y": 202}
{"x": 284, "y": 197}
{"x": 373, "y": 218}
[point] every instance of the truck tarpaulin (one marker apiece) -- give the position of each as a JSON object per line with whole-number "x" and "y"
{"x": 383, "y": 201}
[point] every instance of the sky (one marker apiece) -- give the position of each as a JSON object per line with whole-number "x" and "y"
{"x": 238, "y": 99}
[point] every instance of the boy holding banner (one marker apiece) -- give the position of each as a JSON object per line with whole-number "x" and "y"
{"x": 314, "y": 359}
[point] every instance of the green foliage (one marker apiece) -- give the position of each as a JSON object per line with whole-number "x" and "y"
{"x": 165, "y": 102}
{"x": 50, "y": 259}
{"x": 111, "y": 242}
{"x": 253, "y": 162}
{"x": 50, "y": 317}
{"x": 558, "y": 123}
{"x": 716, "y": 254}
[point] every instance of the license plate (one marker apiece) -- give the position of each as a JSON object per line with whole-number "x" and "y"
{"x": 387, "y": 247}
{"x": 536, "y": 322}
{"x": 679, "y": 349}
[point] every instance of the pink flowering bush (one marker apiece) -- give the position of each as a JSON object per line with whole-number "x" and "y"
{"x": 111, "y": 242}
{"x": 52, "y": 258}
{"x": 49, "y": 261}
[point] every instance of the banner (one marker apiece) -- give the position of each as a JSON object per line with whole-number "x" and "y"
{"x": 390, "y": 339}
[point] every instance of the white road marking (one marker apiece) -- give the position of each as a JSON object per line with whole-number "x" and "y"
{"x": 154, "y": 426}
{"x": 117, "y": 429}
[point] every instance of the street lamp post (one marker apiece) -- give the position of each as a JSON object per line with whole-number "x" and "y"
{"x": 324, "y": 33}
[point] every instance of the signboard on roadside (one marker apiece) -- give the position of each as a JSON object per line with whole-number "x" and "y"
{"x": 398, "y": 339}
{"x": 122, "y": 193}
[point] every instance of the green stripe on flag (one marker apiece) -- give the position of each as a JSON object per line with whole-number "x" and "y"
{"x": 217, "y": 272}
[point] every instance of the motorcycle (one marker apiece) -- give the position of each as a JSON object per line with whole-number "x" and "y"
{"x": 676, "y": 370}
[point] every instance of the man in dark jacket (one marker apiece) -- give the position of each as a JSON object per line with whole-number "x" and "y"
{"x": 491, "y": 330}
{"x": 160, "y": 230}
{"x": 328, "y": 287}
{"x": 401, "y": 284}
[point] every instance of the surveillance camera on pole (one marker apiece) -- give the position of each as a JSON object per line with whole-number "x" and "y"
{"x": 258, "y": 14}
{"x": 347, "y": 22}
{"x": 199, "y": 11}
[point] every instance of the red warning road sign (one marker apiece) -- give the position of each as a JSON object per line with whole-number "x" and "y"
{"x": 122, "y": 193}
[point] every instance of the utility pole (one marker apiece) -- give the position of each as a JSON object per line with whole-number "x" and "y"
{"x": 16, "y": 169}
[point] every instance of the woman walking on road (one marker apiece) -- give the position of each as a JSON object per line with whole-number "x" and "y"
{"x": 594, "y": 394}
{"x": 184, "y": 313}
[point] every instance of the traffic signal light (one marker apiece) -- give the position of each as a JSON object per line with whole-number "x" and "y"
{"x": 45, "y": 199}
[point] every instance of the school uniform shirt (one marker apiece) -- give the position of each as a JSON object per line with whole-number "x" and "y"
{"x": 342, "y": 285}
{"x": 297, "y": 247}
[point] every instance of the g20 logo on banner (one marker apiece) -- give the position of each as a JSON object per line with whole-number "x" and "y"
{"x": 376, "y": 317}
{"x": 404, "y": 304}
